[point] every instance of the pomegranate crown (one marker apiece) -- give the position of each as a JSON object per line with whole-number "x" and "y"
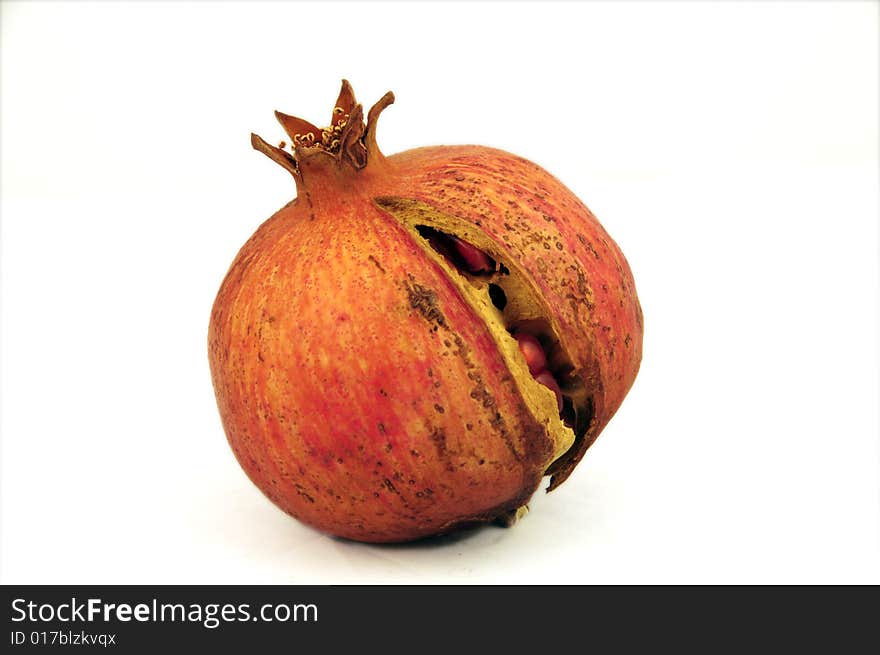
{"x": 347, "y": 139}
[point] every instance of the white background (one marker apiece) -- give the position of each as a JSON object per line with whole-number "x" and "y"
{"x": 730, "y": 148}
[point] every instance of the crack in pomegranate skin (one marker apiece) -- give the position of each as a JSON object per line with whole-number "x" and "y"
{"x": 475, "y": 261}
{"x": 571, "y": 403}
{"x": 459, "y": 253}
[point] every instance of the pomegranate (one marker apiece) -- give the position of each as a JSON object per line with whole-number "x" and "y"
{"x": 415, "y": 341}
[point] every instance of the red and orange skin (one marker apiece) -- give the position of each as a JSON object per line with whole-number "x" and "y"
{"x": 581, "y": 272}
{"x": 358, "y": 388}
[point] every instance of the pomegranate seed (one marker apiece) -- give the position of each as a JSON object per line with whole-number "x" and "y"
{"x": 475, "y": 260}
{"x": 531, "y": 349}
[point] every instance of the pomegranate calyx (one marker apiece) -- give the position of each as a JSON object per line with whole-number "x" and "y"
{"x": 351, "y": 144}
{"x": 347, "y": 139}
{"x": 278, "y": 155}
{"x": 345, "y": 103}
{"x": 372, "y": 119}
{"x": 302, "y": 133}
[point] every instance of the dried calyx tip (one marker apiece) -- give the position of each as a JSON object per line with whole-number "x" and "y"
{"x": 346, "y": 138}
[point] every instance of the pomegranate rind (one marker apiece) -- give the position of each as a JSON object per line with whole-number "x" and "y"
{"x": 370, "y": 390}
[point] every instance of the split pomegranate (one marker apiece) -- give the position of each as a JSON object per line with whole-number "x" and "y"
{"x": 415, "y": 341}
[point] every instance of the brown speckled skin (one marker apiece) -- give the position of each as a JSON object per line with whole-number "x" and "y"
{"x": 357, "y": 388}
{"x": 542, "y": 225}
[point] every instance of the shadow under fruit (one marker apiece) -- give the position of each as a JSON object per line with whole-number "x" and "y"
{"x": 412, "y": 343}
